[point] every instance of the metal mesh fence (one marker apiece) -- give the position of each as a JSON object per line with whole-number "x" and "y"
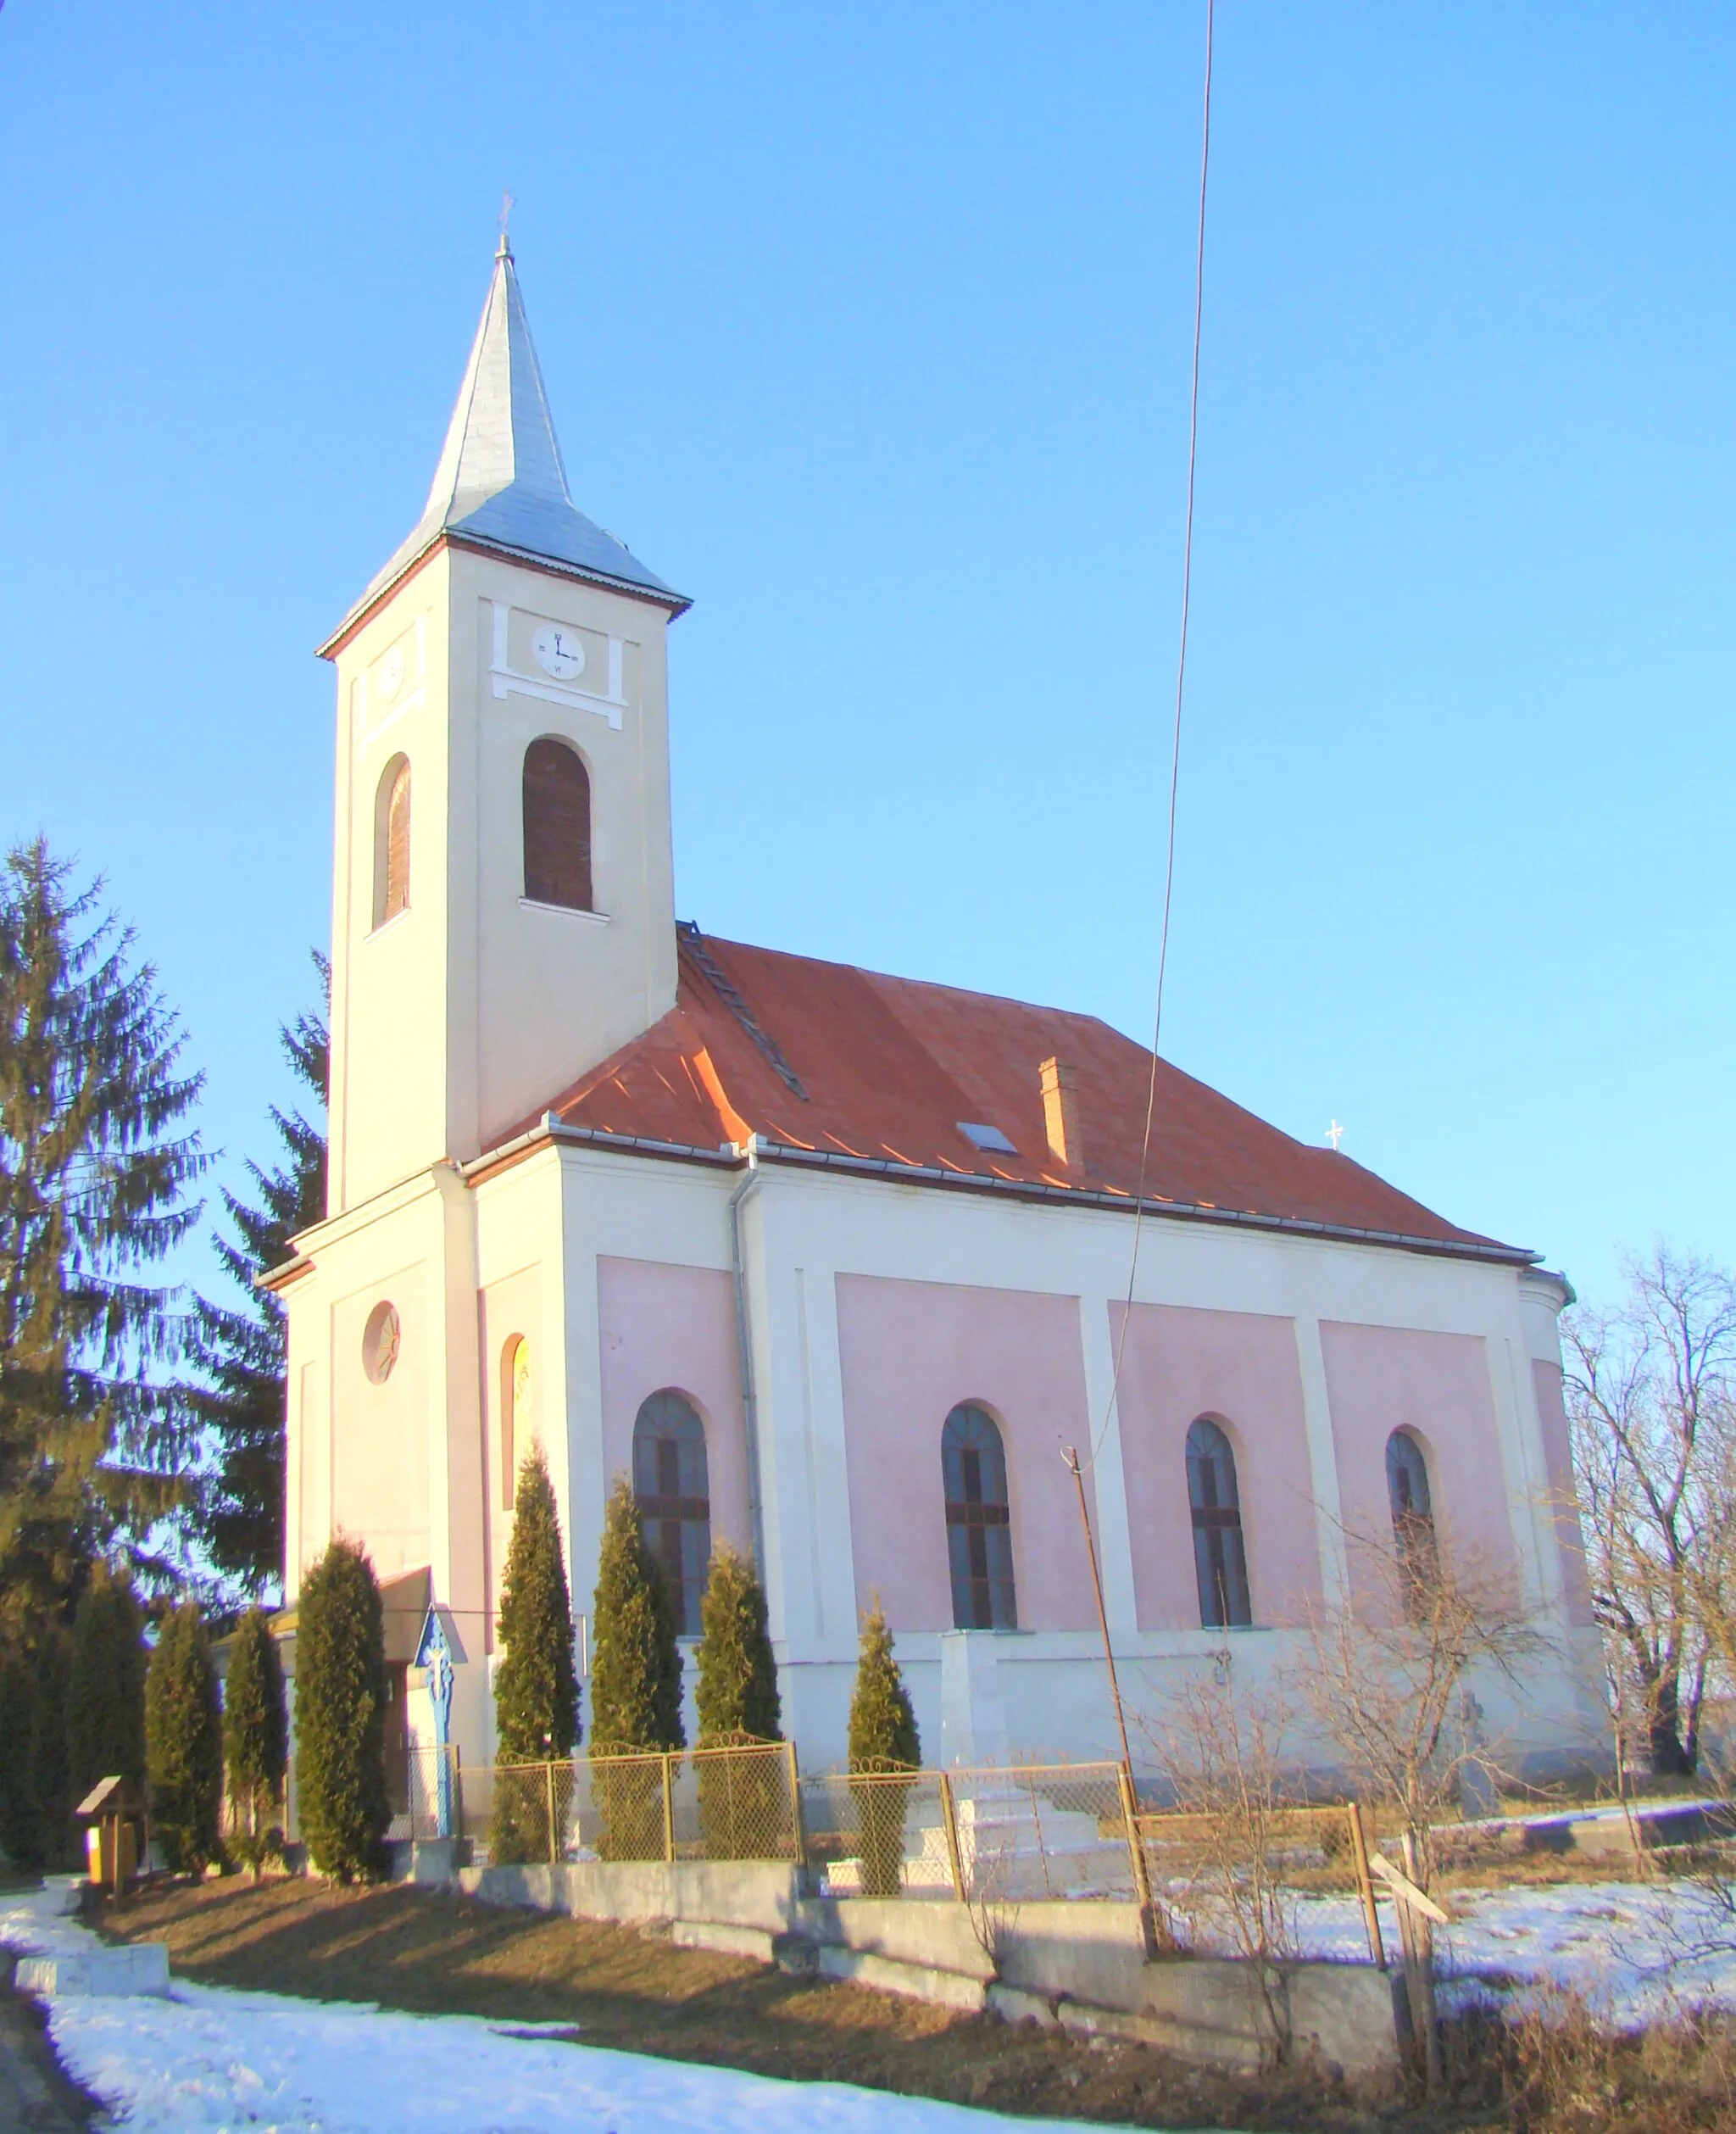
{"x": 1045, "y": 1830}
{"x": 737, "y": 1803}
{"x": 1306, "y": 1852}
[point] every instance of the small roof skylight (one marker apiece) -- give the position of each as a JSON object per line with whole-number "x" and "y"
{"x": 988, "y": 1138}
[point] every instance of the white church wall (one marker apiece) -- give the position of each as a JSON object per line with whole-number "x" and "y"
{"x": 389, "y": 981}
{"x": 541, "y": 993}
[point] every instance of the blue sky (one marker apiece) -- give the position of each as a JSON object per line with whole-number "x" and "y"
{"x": 869, "y": 329}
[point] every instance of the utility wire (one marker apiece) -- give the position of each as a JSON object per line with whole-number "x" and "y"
{"x": 1169, "y": 870}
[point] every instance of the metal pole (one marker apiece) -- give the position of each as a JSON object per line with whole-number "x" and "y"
{"x": 668, "y": 1809}
{"x": 948, "y": 1811}
{"x": 549, "y": 1774}
{"x": 1070, "y": 1454}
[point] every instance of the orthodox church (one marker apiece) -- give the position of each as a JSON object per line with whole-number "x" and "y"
{"x": 832, "y": 1264}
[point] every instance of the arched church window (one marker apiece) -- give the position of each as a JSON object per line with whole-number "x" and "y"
{"x": 979, "y": 1533}
{"x": 518, "y": 1418}
{"x": 672, "y": 1485}
{"x": 1412, "y": 1505}
{"x": 1219, "y": 1555}
{"x": 557, "y": 798}
{"x": 391, "y": 841}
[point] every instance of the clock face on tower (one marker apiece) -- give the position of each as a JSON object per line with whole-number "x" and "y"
{"x": 559, "y": 652}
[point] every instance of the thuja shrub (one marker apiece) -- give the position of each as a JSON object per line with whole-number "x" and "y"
{"x": 105, "y": 1695}
{"x": 743, "y": 1811}
{"x": 883, "y": 1742}
{"x": 184, "y": 1741}
{"x": 536, "y": 1684}
{"x": 340, "y": 1715}
{"x": 636, "y": 1686}
{"x": 255, "y": 1741}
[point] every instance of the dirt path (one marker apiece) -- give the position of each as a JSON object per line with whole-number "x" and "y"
{"x": 36, "y": 2097}
{"x": 435, "y": 1954}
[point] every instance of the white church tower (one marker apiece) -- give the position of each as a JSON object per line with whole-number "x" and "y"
{"x": 502, "y": 913}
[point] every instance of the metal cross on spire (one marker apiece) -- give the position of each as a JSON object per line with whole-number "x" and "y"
{"x": 503, "y": 249}
{"x": 1335, "y": 1134}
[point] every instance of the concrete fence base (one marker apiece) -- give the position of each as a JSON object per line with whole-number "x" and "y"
{"x": 1079, "y": 1966}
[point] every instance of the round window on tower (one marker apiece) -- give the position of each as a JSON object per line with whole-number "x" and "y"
{"x": 380, "y": 1340}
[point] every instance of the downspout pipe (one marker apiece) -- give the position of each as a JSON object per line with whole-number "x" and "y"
{"x": 744, "y": 1350}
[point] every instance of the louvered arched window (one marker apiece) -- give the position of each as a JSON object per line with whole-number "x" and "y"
{"x": 672, "y": 1485}
{"x": 1220, "y": 1556}
{"x": 391, "y": 841}
{"x": 1412, "y": 1504}
{"x": 979, "y": 1531}
{"x": 557, "y": 797}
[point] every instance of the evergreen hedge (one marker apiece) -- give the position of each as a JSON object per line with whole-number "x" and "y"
{"x": 882, "y": 1738}
{"x": 51, "y": 1797}
{"x": 105, "y": 1693}
{"x": 340, "y": 1715}
{"x": 635, "y": 1683}
{"x": 742, "y": 1811}
{"x": 184, "y": 1741}
{"x": 536, "y": 1684}
{"x": 255, "y": 1738}
{"x": 19, "y": 1836}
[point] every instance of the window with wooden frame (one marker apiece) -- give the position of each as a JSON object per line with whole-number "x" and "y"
{"x": 557, "y": 809}
{"x": 391, "y": 841}
{"x": 672, "y": 1486}
{"x": 979, "y": 1530}
{"x": 1219, "y": 1555}
{"x": 517, "y": 1423}
{"x": 1411, "y": 1501}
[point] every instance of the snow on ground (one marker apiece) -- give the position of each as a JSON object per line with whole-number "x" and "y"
{"x": 1635, "y": 1951}
{"x": 206, "y": 2059}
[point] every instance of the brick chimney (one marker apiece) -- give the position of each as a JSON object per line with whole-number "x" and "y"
{"x": 1060, "y": 1115}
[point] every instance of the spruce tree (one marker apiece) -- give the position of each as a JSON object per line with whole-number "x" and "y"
{"x": 882, "y": 1739}
{"x": 635, "y": 1683}
{"x": 240, "y": 1351}
{"x": 255, "y": 1738}
{"x": 184, "y": 1741}
{"x": 340, "y": 1715}
{"x": 105, "y": 1695}
{"x": 95, "y": 1177}
{"x": 744, "y": 1812}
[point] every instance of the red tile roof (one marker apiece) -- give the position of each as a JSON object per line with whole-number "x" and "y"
{"x": 888, "y": 1068}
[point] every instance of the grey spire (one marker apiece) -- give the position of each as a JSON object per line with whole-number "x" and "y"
{"x": 500, "y": 483}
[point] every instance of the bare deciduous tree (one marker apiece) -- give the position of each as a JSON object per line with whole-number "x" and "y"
{"x": 1391, "y": 1685}
{"x": 1651, "y": 1403}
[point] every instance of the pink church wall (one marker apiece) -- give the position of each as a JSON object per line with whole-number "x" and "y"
{"x": 1564, "y": 1502}
{"x": 910, "y": 1352}
{"x": 1242, "y": 1370}
{"x": 1381, "y": 1378}
{"x": 675, "y": 1326}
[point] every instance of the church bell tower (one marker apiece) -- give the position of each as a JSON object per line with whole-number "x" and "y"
{"x": 503, "y": 898}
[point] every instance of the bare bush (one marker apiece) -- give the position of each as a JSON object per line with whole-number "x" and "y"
{"x": 1221, "y": 1752}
